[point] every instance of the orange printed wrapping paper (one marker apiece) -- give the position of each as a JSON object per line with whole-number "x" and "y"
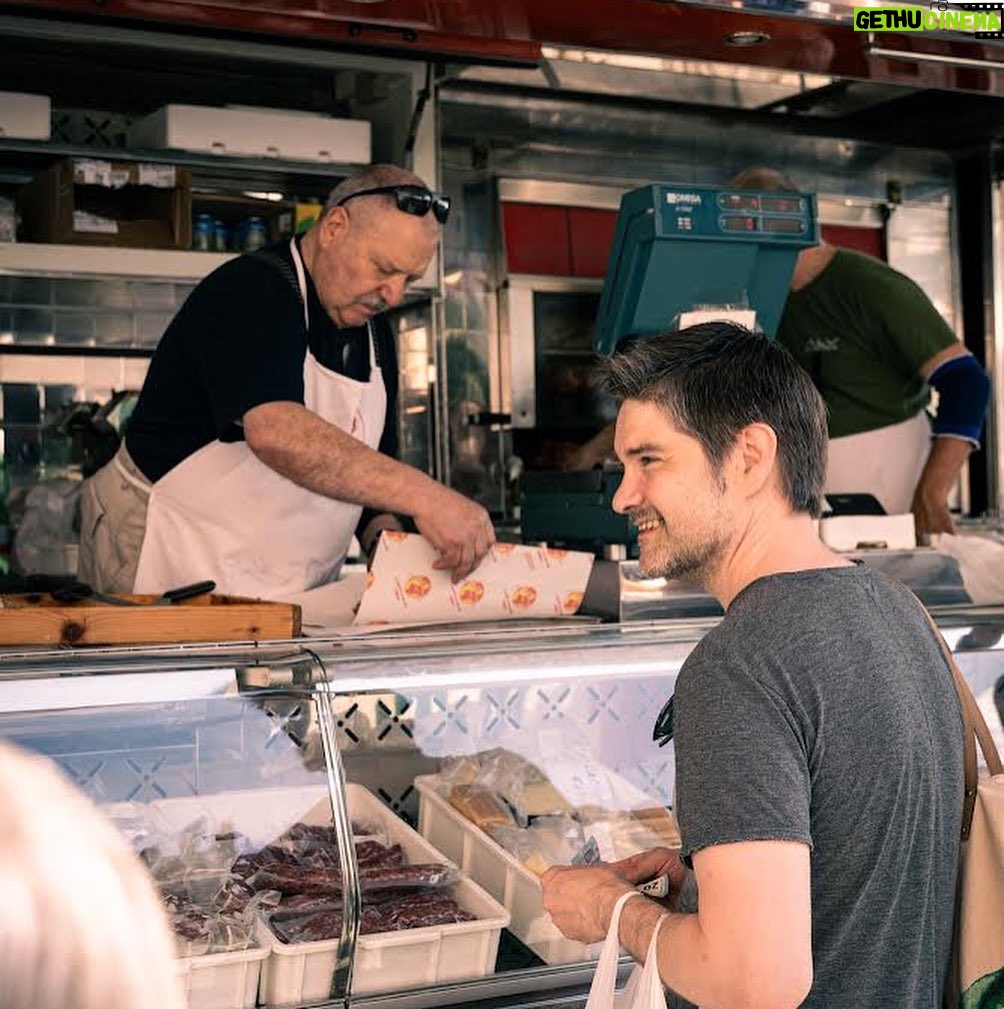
{"x": 512, "y": 581}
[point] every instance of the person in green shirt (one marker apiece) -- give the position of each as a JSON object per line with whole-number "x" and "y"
{"x": 875, "y": 346}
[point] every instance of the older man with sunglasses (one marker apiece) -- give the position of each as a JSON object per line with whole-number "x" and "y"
{"x": 265, "y": 434}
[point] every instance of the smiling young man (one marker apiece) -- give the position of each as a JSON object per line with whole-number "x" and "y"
{"x": 267, "y": 421}
{"x": 818, "y": 736}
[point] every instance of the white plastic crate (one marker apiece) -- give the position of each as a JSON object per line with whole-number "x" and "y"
{"x": 500, "y": 873}
{"x": 222, "y": 980}
{"x": 301, "y": 972}
{"x": 225, "y": 980}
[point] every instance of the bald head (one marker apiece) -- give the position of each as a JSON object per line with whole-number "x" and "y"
{"x": 374, "y": 177}
{"x": 362, "y": 254}
{"x": 768, "y": 180}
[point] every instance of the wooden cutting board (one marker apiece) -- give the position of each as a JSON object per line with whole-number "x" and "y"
{"x": 38, "y": 619}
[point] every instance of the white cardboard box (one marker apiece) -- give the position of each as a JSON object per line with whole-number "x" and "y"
{"x": 273, "y": 133}
{"x": 25, "y": 117}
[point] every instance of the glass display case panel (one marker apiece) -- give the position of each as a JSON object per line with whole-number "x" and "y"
{"x": 459, "y": 765}
{"x": 219, "y": 794}
{"x": 511, "y": 758}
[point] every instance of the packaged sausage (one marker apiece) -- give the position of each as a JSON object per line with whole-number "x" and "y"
{"x": 481, "y": 806}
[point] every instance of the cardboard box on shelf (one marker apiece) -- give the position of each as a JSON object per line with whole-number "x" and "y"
{"x": 270, "y": 133}
{"x": 24, "y": 116}
{"x": 89, "y": 201}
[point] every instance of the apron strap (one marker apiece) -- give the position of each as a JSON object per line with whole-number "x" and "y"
{"x": 301, "y": 279}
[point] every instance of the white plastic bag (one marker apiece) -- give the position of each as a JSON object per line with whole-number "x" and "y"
{"x": 644, "y": 987}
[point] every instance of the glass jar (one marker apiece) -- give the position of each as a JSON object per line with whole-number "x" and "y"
{"x": 204, "y": 233}
{"x": 253, "y": 233}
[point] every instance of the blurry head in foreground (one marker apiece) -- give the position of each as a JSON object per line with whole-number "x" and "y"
{"x": 81, "y": 925}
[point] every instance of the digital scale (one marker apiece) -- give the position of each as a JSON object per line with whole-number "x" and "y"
{"x": 682, "y": 251}
{"x": 680, "y": 255}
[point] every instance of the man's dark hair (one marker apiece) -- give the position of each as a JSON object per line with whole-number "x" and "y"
{"x": 714, "y": 379}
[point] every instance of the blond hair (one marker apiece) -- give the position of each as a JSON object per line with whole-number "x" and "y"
{"x": 81, "y": 925}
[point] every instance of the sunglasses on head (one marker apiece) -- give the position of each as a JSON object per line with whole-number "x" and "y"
{"x": 412, "y": 200}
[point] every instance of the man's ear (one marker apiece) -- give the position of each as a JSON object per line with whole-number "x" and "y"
{"x": 755, "y": 455}
{"x": 333, "y": 226}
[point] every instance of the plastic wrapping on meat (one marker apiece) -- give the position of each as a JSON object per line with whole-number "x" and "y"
{"x": 224, "y": 924}
{"x": 421, "y": 910}
{"x": 300, "y": 879}
{"x": 294, "y": 905}
{"x": 310, "y": 854}
{"x": 272, "y": 854}
{"x": 191, "y": 925}
{"x": 372, "y": 879}
{"x": 325, "y": 834}
{"x": 297, "y": 904}
{"x": 318, "y": 856}
{"x": 196, "y": 860}
{"x": 555, "y": 839}
{"x": 323, "y": 925}
{"x": 418, "y": 910}
{"x": 368, "y": 853}
{"x": 297, "y": 879}
{"x": 235, "y": 896}
{"x": 372, "y": 853}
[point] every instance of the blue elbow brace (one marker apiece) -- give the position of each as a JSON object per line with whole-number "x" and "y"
{"x": 963, "y": 393}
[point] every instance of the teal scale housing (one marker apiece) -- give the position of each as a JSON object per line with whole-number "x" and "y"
{"x": 680, "y": 248}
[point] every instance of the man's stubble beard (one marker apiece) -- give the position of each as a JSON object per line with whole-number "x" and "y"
{"x": 694, "y": 564}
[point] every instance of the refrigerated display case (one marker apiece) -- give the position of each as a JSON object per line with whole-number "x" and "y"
{"x": 421, "y": 740}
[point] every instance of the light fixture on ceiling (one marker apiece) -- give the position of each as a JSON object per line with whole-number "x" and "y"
{"x": 746, "y": 38}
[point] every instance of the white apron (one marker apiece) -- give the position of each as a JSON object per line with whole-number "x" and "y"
{"x": 223, "y": 514}
{"x": 885, "y": 463}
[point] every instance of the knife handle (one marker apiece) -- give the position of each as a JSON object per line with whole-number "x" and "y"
{"x": 187, "y": 592}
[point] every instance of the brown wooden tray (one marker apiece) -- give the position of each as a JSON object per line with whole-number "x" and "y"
{"x": 38, "y": 619}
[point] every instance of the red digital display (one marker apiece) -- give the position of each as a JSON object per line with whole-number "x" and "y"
{"x": 784, "y": 225}
{"x": 738, "y": 201}
{"x": 736, "y": 222}
{"x": 781, "y": 204}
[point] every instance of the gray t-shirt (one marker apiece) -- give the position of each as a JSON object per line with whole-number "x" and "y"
{"x": 821, "y": 710}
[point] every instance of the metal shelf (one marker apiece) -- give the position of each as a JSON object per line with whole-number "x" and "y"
{"x": 26, "y": 157}
{"x": 106, "y": 261}
{"x": 64, "y": 350}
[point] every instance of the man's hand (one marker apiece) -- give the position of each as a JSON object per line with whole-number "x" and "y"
{"x": 941, "y": 471}
{"x": 319, "y": 456}
{"x": 651, "y": 864}
{"x": 580, "y": 899}
{"x": 460, "y": 530}
{"x": 930, "y": 512}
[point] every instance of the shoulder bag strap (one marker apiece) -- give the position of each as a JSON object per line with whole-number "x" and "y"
{"x": 975, "y": 728}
